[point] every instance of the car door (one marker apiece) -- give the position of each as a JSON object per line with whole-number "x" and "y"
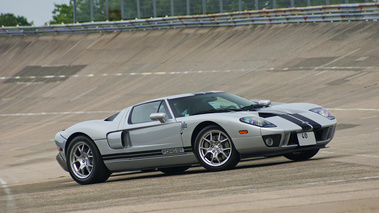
{"x": 145, "y": 135}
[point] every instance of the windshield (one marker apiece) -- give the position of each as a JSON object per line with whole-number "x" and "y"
{"x": 209, "y": 103}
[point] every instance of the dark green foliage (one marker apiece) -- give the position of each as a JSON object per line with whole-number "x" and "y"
{"x": 10, "y": 20}
{"x": 62, "y": 14}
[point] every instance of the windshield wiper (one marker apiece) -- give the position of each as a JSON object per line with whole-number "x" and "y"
{"x": 211, "y": 111}
{"x": 245, "y": 108}
{"x": 250, "y": 107}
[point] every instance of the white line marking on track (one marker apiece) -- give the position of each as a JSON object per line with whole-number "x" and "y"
{"x": 95, "y": 112}
{"x": 320, "y": 69}
{"x": 337, "y": 59}
{"x": 339, "y": 181}
{"x": 55, "y": 113}
{"x": 357, "y": 109}
{"x": 10, "y": 204}
{"x": 317, "y": 183}
{"x": 356, "y": 155}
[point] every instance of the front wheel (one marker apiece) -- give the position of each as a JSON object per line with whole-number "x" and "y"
{"x": 215, "y": 150}
{"x": 84, "y": 162}
{"x": 301, "y": 156}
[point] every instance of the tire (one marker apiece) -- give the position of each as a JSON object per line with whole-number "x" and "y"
{"x": 215, "y": 150}
{"x": 174, "y": 170}
{"x": 301, "y": 156}
{"x": 84, "y": 162}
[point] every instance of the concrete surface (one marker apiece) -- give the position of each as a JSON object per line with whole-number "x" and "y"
{"x": 48, "y": 83}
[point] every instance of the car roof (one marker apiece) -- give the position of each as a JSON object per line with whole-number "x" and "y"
{"x": 182, "y": 95}
{"x": 191, "y": 94}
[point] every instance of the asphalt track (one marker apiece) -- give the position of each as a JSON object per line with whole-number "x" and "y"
{"x": 48, "y": 83}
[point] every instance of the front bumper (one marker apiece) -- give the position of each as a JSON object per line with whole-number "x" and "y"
{"x": 62, "y": 162}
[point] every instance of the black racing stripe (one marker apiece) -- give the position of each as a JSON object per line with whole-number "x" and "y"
{"x": 313, "y": 123}
{"x": 302, "y": 124}
{"x": 132, "y": 155}
{"x": 139, "y": 154}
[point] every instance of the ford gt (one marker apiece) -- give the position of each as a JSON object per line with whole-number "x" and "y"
{"x": 213, "y": 129}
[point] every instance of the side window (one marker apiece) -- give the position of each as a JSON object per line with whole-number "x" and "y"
{"x": 163, "y": 109}
{"x": 179, "y": 107}
{"x": 141, "y": 113}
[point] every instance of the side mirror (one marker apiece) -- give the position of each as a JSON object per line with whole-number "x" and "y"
{"x": 158, "y": 117}
{"x": 264, "y": 103}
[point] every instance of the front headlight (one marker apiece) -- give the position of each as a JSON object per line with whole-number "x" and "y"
{"x": 256, "y": 121}
{"x": 323, "y": 112}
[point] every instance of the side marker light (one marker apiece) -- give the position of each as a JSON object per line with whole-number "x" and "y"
{"x": 243, "y": 132}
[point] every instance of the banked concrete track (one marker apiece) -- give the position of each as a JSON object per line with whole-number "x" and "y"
{"x": 48, "y": 83}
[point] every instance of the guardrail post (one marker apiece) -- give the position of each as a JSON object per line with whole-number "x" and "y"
{"x": 292, "y": 3}
{"x": 308, "y": 3}
{"x": 155, "y": 8}
{"x": 107, "y": 9}
{"x": 74, "y": 10}
{"x": 172, "y": 7}
{"x": 204, "y": 8}
{"x": 239, "y": 5}
{"x": 188, "y": 7}
{"x": 122, "y": 10}
{"x": 91, "y": 5}
{"x": 138, "y": 10}
{"x": 256, "y": 5}
{"x": 221, "y": 6}
{"x": 273, "y": 4}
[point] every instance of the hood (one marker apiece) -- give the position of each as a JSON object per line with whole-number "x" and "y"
{"x": 284, "y": 108}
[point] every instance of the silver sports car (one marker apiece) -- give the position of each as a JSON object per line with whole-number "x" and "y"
{"x": 213, "y": 129}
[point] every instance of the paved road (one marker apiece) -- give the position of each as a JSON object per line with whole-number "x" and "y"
{"x": 80, "y": 77}
{"x": 343, "y": 178}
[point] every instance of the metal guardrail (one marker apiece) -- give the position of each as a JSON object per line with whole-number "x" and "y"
{"x": 313, "y": 14}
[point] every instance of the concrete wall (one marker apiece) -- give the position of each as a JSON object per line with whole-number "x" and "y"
{"x": 57, "y": 78}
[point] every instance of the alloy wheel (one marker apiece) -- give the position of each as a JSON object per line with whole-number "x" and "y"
{"x": 215, "y": 148}
{"x": 81, "y": 160}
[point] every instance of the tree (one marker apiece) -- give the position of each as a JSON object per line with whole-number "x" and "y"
{"x": 83, "y": 10}
{"x": 62, "y": 14}
{"x": 9, "y": 19}
{"x": 115, "y": 15}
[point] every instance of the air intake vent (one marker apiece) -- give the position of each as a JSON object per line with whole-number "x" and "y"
{"x": 266, "y": 115}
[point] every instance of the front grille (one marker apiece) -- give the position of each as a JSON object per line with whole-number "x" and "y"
{"x": 293, "y": 139}
{"x": 321, "y": 135}
{"x": 324, "y": 134}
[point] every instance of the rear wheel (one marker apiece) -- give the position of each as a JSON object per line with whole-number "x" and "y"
{"x": 215, "y": 150}
{"x": 301, "y": 156}
{"x": 84, "y": 162}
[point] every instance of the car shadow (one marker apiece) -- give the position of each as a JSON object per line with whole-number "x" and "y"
{"x": 138, "y": 175}
{"x": 197, "y": 169}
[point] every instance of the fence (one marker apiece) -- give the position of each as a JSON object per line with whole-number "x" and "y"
{"x": 314, "y": 14}
{"x": 101, "y": 10}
